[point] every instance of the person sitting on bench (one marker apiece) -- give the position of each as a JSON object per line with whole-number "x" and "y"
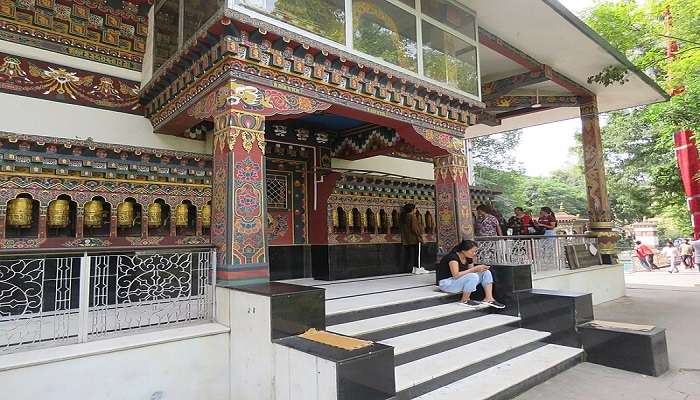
{"x": 456, "y": 273}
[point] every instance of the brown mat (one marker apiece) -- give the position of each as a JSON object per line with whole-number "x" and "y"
{"x": 621, "y": 325}
{"x": 331, "y": 339}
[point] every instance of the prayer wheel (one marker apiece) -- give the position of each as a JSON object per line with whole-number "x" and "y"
{"x": 206, "y": 216}
{"x": 93, "y": 213}
{"x": 336, "y": 220}
{"x": 125, "y": 214}
{"x": 19, "y": 212}
{"x": 378, "y": 221}
{"x": 182, "y": 215}
{"x": 59, "y": 214}
{"x": 155, "y": 215}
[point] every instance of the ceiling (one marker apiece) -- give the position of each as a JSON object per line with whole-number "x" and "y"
{"x": 546, "y": 31}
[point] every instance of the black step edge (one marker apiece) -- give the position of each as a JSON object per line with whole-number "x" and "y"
{"x": 353, "y": 316}
{"x": 450, "y": 344}
{"x": 423, "y": 325}
{"x": 444, "y": 380}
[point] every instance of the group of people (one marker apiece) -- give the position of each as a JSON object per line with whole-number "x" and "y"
{"x": 489, "y": 222}
{"x": 688, "y": 252}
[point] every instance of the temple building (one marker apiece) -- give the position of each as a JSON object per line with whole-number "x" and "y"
{"x": 241, "y": 142}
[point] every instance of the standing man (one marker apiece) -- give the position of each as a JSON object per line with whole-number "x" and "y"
{"x": 411, "y": 238}
{"x": 671, "y": 253}
{"x": 646, "y": 255}
{"x": 687, "y": 254}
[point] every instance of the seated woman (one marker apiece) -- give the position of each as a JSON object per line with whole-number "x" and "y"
{"x": 456, "y": 273}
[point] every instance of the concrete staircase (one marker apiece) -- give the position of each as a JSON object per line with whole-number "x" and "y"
{"x": 445, "y": 350}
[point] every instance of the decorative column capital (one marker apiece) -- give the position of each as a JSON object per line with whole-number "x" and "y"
{"x": 452, "y": 166}
{"x": 231, "y": 124}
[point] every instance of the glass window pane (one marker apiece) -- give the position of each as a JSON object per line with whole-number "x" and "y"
{"x": 451, "y": 15}
{"x": 197, "y": 12}
{"x": 325, "y": 18}
{"x": 449, "y": 59}
{"x": 383, "y": 30}
{"x": 410, "y": 3}
{"x": 166, "y": 32}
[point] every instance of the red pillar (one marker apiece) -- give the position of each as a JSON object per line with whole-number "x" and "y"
{"x": 689, "y": 167}
{"x": 238, "y": 204}
{"x": 454, "y": 213}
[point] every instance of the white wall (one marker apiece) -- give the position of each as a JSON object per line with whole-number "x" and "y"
{"x": 188, "y": 369}
{"x": 26, "y": 115}
{"x": 397, "y": 166}
{"x": 605, "y": 282}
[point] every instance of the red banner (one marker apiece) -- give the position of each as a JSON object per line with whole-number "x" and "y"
{"x": 689, "y": 167}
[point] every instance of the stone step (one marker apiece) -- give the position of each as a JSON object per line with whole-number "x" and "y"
{"x": 385, "y": 326}
{"x": 510, "y": 378}
{"x": 429, "y": 373}
{"x": 413, "y": 346}
{"x": 372, "y": 305}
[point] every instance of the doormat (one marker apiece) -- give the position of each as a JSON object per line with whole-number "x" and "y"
{"x": 332, "y": 339}
{"x": 621, "y": 325}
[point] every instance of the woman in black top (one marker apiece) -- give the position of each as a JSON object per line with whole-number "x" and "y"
{"x": 456, "y": 273}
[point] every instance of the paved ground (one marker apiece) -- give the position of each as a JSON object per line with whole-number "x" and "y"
{"x": 657, "y": 298}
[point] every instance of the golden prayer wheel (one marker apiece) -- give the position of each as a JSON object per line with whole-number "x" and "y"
{"x": 125, "y": 214}
{"x": 19, "y": 212}
{"x": 59, "y": 214}
{"x": 378, "y": 221}
{"x": 155, "y": 212}
{"x": 93, "y": 213}
{"x": 206, "y": 216}
{"x": 182, "y": 215}
{"x": 334, "y": 217}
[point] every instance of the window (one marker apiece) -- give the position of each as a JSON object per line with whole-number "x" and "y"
{"x": 166, "y": 40}
{"x": 276, "y": 191}
{"x": 449, "y": 59}
{"x": 386, "y": 31}
{"x": 197, "y": 12}
{"x": 325, "y": 18}
{"x": 451, "y": 15}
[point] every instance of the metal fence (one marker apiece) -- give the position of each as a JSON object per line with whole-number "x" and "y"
{"x": 544, "y": 253}
{"x": 62, "y": 299}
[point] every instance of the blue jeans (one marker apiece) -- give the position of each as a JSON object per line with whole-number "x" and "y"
{"x": 466, "y": 283}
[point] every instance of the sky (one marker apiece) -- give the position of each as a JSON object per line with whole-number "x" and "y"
{"x": 558, "y": 136}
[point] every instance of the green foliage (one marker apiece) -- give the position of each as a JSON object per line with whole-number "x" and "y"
{"x": 643, "y": 178}
{"x": 496, "y": 168}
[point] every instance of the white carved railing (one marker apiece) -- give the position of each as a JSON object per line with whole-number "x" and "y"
{"x": 544, "y": 253}
{"x": 53, "y": 300}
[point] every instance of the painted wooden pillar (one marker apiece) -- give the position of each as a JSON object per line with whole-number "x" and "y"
{"x": 79, "y": 222}
{"x": 173, "y": 222}
{"x": 238, "y": 202}
{"x": 3, "y": 212}
{"x": 198, "y": 222}
{"x": 144, "y": 222}
{"x": 43, "y": 229}
{"x": 453, "y": 203}
{"x": 113, "y": 221}
{"x": 600, "y": 215}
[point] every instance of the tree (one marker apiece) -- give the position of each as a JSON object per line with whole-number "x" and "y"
{"x": 638, "y": 144}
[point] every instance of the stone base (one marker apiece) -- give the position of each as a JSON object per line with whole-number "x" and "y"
{"x": 631, "y": 350}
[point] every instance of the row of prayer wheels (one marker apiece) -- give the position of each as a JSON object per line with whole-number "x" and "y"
{"x": 20, "y": 214}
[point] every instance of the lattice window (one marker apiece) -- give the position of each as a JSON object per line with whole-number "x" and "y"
{"x": 276, "y": 191}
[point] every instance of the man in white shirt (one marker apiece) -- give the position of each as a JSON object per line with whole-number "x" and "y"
{"x": 671, "y": 252}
